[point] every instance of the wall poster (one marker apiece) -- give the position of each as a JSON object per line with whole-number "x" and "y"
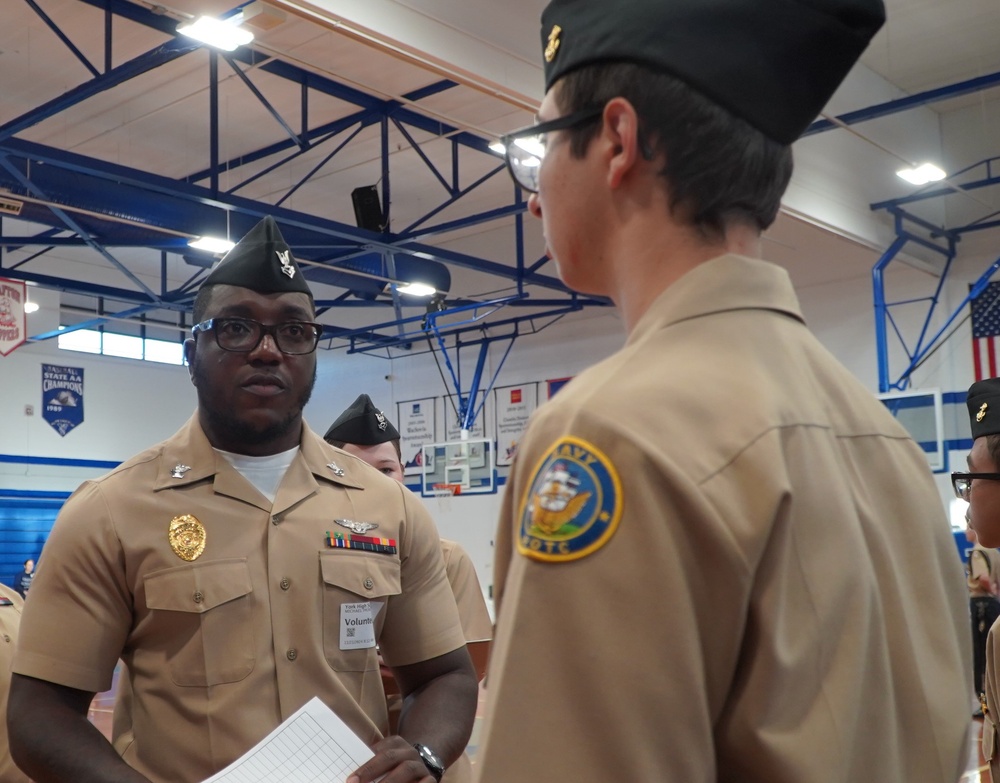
{"x": 514, "y": 405}
{"x": 416, "y": 428}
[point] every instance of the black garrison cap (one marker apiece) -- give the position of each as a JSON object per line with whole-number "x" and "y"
{"x": 262, "y": 262}
{"x": 361, "y": 424}
{"x": 984, "y": 407}
{"x": 775, "y": 63}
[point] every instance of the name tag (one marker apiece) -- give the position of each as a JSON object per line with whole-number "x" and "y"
{"x": 357, "y": 624}
{"x": 5, "y": 601}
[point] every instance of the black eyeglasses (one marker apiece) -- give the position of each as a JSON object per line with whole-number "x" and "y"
{"x": 242, "y": 335}
{"x": 524, "y": 149}
{"x": 962, "y": 482}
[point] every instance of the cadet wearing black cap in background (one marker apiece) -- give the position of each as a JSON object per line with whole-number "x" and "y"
{"x": 219, "y": 566}
{"x": 981, "y": 487}
{"x": 719, "y": 557}
{"x": 364, "y": 431}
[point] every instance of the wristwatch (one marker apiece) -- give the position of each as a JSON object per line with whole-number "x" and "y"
{"x": 431, "y": 761}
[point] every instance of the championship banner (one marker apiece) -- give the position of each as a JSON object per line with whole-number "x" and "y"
{"x": 514, "y": 406}
{"x": 62, "y": 397}
{"x": 416, "y": 428}
{"x": 453, "y": 428}
{"x": 13, "y": 326}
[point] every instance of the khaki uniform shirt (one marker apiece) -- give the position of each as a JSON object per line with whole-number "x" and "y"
{"x": 10, "y": 618}
{"x": 721, "y": 559}
{"x": 475, "y": 617}
{"x": 991, "y": 713}
{"x": 221, "y": 649}
{"x": 476, "y": 624}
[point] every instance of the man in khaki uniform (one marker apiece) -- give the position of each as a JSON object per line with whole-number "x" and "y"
{"x": 238, "y": 569}
{"x": 366, "y": 432}
{"x": 11, "y": 604}
{"x": 980, "y": 486}
{"x": 719, "y": 557}
{"x": 982, "y": 567}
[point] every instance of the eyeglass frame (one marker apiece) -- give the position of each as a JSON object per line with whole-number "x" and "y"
{"x": 958, "y": 476}
{"x": 265, "y": 330}
{"x": 565, "y": 122}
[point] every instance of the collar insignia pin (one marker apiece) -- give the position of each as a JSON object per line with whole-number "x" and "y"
{"x": 179, "y": 470}
{"x": 982, "y": 412}
{"x": 337, "y": 470}
{"x": 553, "y": 44}
{"x": 285, "y": 257}
{"x": 356, "y": 527}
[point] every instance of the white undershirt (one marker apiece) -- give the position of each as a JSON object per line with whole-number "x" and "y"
{"x": 265, "y": 473}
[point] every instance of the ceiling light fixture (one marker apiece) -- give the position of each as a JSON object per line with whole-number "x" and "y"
{"x": 225, "y": 34}
{"x": 212, "y": 244}
{"x": 922, "y": 174}
{"x": 416, "y": 289}
{"x": 499, "y": 147}
{"x": 31, "y": 307}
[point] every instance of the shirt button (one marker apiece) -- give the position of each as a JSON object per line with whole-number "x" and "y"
{"x": 6, "y": 638}
{"x": 285, "y": 583}
{"x": 369, "y": 584}
{"x": 292, "y": 654}
{"x": 276, "y": 519}
{"x": 198, "y": 596}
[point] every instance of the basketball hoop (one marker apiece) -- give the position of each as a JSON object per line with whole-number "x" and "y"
{"x": 447, "y": 489}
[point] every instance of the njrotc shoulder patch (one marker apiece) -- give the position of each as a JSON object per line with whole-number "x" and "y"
{"x": 573, "y": 505}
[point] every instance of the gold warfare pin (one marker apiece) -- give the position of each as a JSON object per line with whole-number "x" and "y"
{"x": 187, "y": 537}
{"x": 982, "y": 412}
{"x": 553, "y": 45}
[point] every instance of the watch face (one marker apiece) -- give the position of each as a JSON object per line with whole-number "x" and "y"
{"x": 431, "y": 760}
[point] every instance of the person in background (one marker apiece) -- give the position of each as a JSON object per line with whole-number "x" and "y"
{"x": 719, "y": 557}
{"x": 982, "y": 568}
{"x": 11, "y": 604}
{"x": 22, "y": 582}
{"x": 364, "y": 431}
{"x": 207, "y": 564}
{"x": 980, "y": 486}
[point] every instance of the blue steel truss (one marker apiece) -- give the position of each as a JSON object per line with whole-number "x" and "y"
{"x": 943, "y": 241}
{"x": 72, "y": 194}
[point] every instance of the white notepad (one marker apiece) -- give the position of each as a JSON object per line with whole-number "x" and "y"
{"x": 313, "y": 746}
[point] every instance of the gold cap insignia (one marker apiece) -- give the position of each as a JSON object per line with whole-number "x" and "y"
{"x": 553, "y": 45}
{"x": 982, "y": 412}
{"x": 187, "y": 537}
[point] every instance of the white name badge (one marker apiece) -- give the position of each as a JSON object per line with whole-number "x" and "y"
{"x": 357, "y": 625}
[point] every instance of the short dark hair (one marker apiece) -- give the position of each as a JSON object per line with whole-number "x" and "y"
{"x": 719, "y": 169}
{"x": 993, "y": 447}
{"x": 204, "y": 299}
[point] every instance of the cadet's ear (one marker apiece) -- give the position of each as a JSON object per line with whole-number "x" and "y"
{"x": 190, "y": 347}
{"x": 621, "y": 128}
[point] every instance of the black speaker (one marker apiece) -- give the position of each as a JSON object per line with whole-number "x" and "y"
{"x": 368, "y": 208}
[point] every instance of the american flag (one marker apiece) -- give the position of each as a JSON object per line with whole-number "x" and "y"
{"x": 986, "y": 332}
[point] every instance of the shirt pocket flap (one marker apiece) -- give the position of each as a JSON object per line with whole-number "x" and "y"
{"x": 363, "y": 574}
{"x": 198, "y": 587}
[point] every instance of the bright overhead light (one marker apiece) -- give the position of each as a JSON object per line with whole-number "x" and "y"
{"x": 225, "y": 34}
{"x": 498, "y": 147}
{"x": 416, "y": 289}
{"x": 922, "y": 174}
{"x": 31, "y": 307}
{"x": 212, "y": 244}
{"x": 531, "y": 145}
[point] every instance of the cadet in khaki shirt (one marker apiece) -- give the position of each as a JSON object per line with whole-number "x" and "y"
{"x": 366, "y": 432}
{"x": 10, "y": 618}
{"x": 980, "y": 485}
{"x": 719, "y": 557}
{"x": 238, "y": 569}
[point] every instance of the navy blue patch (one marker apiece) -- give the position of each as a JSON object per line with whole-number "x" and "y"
{"x": 573, "y": 505}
